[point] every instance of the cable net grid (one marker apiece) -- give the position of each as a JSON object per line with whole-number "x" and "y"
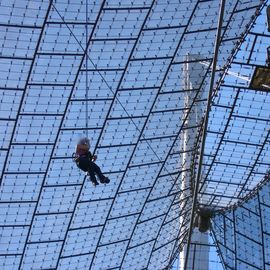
{"x": 47, "y": 86}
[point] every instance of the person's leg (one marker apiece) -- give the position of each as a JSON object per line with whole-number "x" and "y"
{"x": 95, "y": 168}
{"x": 92, "y": 175}
{"x": 101, "y": 176}
{"x": 84, "y": 164}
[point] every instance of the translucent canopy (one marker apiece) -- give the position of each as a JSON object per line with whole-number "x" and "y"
{"x": 134, "y": 77}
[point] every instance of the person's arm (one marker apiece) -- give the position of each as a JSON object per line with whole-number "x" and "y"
{"x": 92, "y": 157}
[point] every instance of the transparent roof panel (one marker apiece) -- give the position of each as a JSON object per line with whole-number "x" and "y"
{"x": 238, "y": 130}
{"x": 246, "y": 234}
{"x": 134, "y": 77}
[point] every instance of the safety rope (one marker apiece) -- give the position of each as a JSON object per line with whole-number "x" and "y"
{"x": 86, "y": 71}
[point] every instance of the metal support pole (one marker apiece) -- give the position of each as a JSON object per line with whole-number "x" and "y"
{"x": 198, "y": 176}
{"x": 192, "y": 74}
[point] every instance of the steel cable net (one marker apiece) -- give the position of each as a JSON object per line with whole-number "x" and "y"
{"x": 242, "y": 244}
{"x": 148, "y": 71}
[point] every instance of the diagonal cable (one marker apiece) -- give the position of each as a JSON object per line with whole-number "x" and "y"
{"x": 110, "y": 88}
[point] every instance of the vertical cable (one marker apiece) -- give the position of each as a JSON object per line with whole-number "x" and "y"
{"x": 86, "y": 69}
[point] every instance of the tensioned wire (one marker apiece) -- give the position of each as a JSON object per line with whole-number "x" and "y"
{"x": 109, "y": 87}
{"x": 123, "y": 107}
{"x": 85, "y": 50}
{"x": 86, "y": 72}
{"x": 184, "y": 120}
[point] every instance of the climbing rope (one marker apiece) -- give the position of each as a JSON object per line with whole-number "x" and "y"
{"x": 86, "y": 70}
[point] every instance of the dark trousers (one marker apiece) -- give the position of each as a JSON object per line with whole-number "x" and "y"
{"x": 85, "y": 164}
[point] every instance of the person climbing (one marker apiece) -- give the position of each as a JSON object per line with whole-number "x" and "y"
{"x": 86, "y": 162}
